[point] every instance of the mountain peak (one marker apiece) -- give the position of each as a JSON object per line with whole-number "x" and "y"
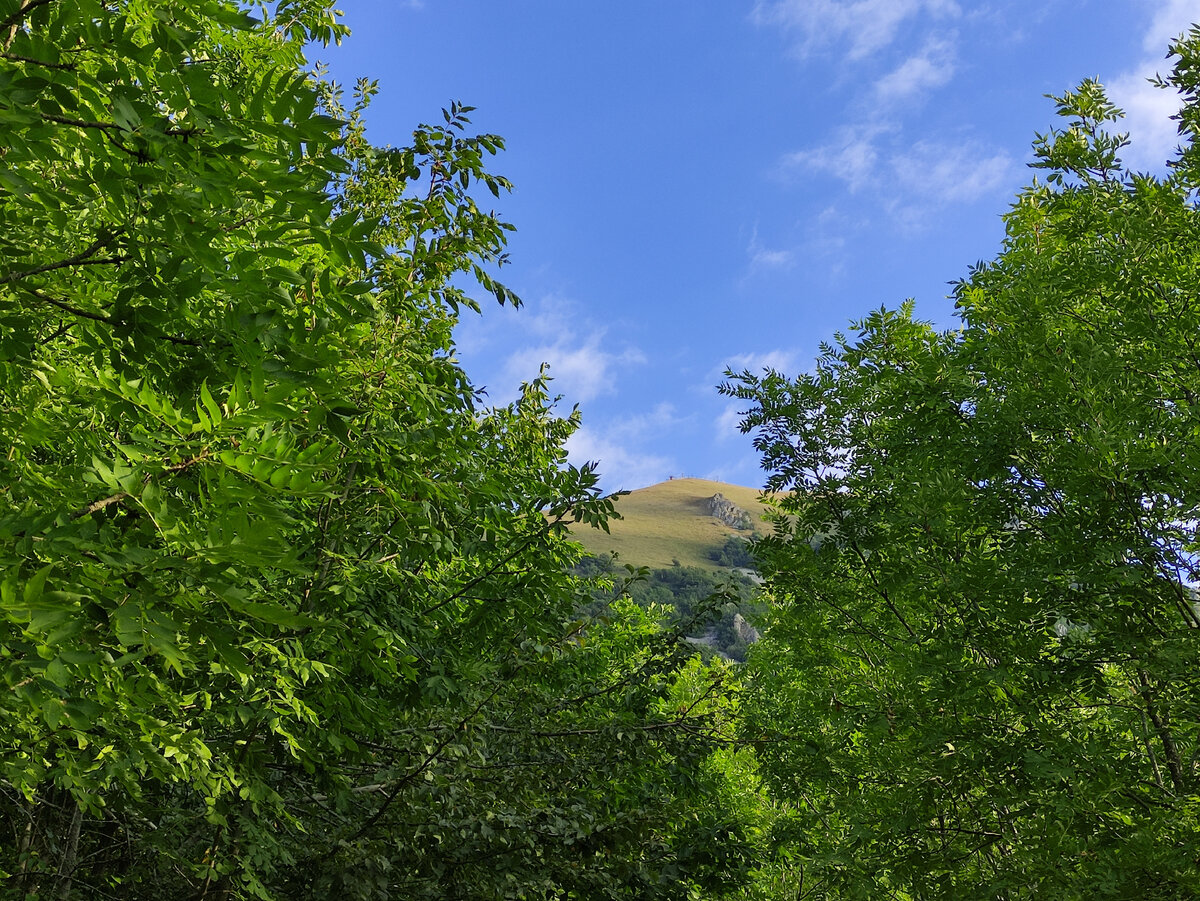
{"x": 676, "y": 522}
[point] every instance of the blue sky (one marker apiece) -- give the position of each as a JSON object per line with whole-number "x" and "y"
{"x": 702, "y": 185}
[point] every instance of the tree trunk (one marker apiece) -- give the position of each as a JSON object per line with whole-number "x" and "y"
{"x": 70, "y": 856}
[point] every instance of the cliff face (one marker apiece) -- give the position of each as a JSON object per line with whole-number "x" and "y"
{"x": 722, "y": 508}
{"x": 745, "y": 633}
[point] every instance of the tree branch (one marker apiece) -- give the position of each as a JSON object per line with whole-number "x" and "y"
{"x": 96, "y": 506}
{"x": 82, "y": 123}
{"x": 99, "y": 505}
{"x": 17, "y": 58}
{"x": 63, "y": 305}
{"x": 432, "y": 756}
{"x": 488, "y": 573}
{"x": 97, "y": 317}
{"x": 1161, "y": 725}
{"x": 83, "y": 258}
{"x": 63, "y": 328}
{"x": 13, "y": 22}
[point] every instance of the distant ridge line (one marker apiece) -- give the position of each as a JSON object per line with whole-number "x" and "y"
{"x": 670, "y": 523}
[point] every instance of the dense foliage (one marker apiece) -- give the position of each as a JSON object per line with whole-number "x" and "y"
{"x": 714, "y": 610}
{"x": 982, "y": 674}
{"x": 735, "y": 553}
{"x": 285, "y": 610}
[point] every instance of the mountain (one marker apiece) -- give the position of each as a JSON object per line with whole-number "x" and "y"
{"x": 677, "y": 521}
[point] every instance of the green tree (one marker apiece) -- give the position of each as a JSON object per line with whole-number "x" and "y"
{"x": 281, "y": 599}
{"x": 980, "y": 678}
{"x": 736, "y": 552}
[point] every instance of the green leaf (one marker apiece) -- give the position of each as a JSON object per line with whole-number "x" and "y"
{"x": 15, "y": 181}
{"x": 273, "y": 614}
{"x": 37, "y": 584}
{"x": 210, "y": 405}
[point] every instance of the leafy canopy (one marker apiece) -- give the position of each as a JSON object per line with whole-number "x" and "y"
{"x": 980, "y": 679}
{"x": 285, "y": 608}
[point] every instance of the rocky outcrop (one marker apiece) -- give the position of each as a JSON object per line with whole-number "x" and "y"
{"x": 746, "y": 633}
{"x": 722, "y": 508}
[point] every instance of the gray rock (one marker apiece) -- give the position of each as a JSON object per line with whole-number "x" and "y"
{"x": 722, "y": 508}
{"x": 745, "y": 632}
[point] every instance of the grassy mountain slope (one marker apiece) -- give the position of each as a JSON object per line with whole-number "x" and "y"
{"x": 670, "y": 522}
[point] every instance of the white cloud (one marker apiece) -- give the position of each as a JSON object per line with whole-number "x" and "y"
{"x": 826, "y": 237}
{"x": 621, "y": 466}
{"x": 910, "y": 181}
{"x": 767, "y": 258}
{"x": 781, "y": 360}
{"x": 746, "y": 470}
{"x": 942, "y": 173}
{"x": 932, "y": 175}
{"x": 661, "y": 419}
{"x": 867, "y": 25}
{"x": 1148, "y": 109}
{"x": 728, "y": 423}
{"x": 931, "y": 68}
{"x": 872, "y": 155}
{"x": 584, "y": 362}
{"x": 852, "y": 156}
{"x": 772, "y": 259}
{"x": 1171, "y": 19}
{"x": 580, "y": 371}
{"x": 819, "y": 241}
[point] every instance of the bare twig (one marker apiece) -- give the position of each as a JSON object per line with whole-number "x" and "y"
{"x": 99, "y": 505}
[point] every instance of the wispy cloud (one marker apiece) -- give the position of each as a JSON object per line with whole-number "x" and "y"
{"x": 933, "y": 175}
{"x": 745, "y": 470}
{"x": 911, "y": 45}
{"x": 931, "y": 68}
{"x": 826, "y": 237}
{"x": 812, "y": 241}
{"x": 1148, "y": 110}
{"x": 852, "y": 156}
{"x": 585, "y": 361}
{"x": 866, "y": 25}
{"x": 1171, "y": 18}
{"x": 762, "y": 258}
{"x": 728, "y": 423}
{"x": 621, "y": 462}
{"x": 581, "y": 370}
{"x": 772, "y": 259}
{"x": 756, "y": 361}
{"x": 662, "y": 418}
{"x": 940, "y": 173}
{"x": 924, "y": 176}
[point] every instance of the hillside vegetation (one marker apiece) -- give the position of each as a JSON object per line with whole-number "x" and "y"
{"x": 669, "y": 523}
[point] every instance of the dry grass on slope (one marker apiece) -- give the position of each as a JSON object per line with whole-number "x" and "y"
{"x": 670, "y": 521}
